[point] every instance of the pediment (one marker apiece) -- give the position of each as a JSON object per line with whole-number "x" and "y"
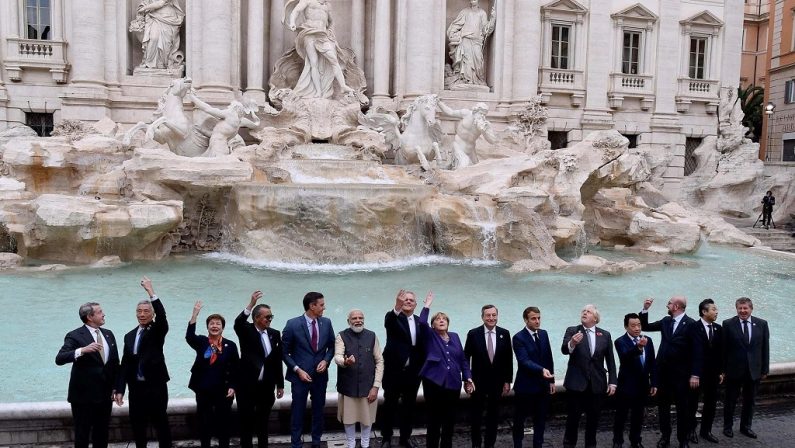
{"x": 704, "y": 18}
{"x": 636, "y": 12}
{"x": 569, "y": 6}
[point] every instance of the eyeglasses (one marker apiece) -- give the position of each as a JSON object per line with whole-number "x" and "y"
{"x": 269, "y": 317}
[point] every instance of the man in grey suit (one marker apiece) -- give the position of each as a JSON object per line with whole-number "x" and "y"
{"x": 746, "y": 361}
{"x": 308, "y": 346}
{"x": 590, "y": 351}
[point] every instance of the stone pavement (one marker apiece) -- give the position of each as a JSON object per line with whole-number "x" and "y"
{"x": 774, "y": 422}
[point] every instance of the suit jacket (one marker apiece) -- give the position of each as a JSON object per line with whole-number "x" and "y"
{"x": 92, "y": 381}
{"x": 297, "y": 347}
{"x": 586, "y": 370}
{"x": 488, "y": 376}
{"x": 445, "y": 364}
{"x": 150, "y": 356}
{"x": 252, "y": 355}
{"x": 675, "y": 353}
{"x": 532, "y": 360}
{"x": 707, "y": 355}
{"x": 220, "y": 374}
{"x": 634, "y": 378}
{"x": 398, "y": 349}
{"x": 741, "y": 357}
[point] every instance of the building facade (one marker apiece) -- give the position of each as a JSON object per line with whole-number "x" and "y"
{"x": 780, "y": 91}
{"x": 651, "y": 69}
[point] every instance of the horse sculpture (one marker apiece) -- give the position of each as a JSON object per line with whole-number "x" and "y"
{"x": 172, "y": 126}
{"x": 421, "y": 135}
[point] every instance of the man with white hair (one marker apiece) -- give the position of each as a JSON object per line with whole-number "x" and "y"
{"x": 357, "y": 354}
{"x": 590, "y": 351}
{"x": 473, "y": 124}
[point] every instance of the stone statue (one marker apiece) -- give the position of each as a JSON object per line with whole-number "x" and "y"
{"x": 322, "y": 63}
{"x": 421, "y": 135}
{"x": 731, "y": 132}
{"x": 230, "y": 120}
{"x": 157, "y": 23}
{"x": 473, "y": 124}
{"x": 467, "y": 35}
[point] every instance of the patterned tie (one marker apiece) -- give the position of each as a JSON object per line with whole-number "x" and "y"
{"x": 314, "y": 335}
{"x": 490, "y": 345}
{"x": 263, "y": 335}
{"x": 642, "y": 353}
{"x": 101, "y": 346}
{"x": 745, "y": 332}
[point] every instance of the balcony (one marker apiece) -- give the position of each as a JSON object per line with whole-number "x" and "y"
{"x": 24, "y": 54}
{"x": 623, "y": 85}
{"x": 697, "y": 91}
{"x": 562, "y": 81}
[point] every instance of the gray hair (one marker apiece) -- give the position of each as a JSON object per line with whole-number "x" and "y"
{"x": 145, "y": 302}
{"x": 594, "y": 310}
{"x": 355, "y": 310}
{"x": 85, "y": 310}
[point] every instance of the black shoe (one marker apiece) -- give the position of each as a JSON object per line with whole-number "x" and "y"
{"x": 709, "y": 437}
{"x": 693, "y": 438}
{"x": 728, "y": 433}
{"x": 664, "y": 442}
{"x": 748, "y": 432}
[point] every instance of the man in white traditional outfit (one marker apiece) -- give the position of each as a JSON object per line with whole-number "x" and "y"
{"x": 467, "y": 35}
{"x": 360, "y": 369}
{"x": 160, "y": 21}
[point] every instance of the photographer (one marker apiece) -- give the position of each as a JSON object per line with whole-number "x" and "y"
{"x": 768, "y": 201}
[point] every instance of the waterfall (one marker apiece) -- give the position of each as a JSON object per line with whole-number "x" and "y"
{"x": 581, "y": 242}
{"x": 484, "y": 218}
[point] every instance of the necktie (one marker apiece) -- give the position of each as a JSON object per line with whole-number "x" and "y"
{"x": 711, "y": 333}
{"x": 673, "y": 326}
{"x": 642, "y": 353}
{"x": 490, "y": 345}
{"x": 588, "y": 336}
{"x": 137, "y": 341}
{"x": 314, "y": 335}
{"x": 101, "y": 346}
{"x": 536, "y": 340}
{"x": 264, "y": 335}
{"x": 745, "y": 332}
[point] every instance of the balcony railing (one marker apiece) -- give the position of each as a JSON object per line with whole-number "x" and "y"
{"x": 698, "y": 90}
{"x": 24, "y": 54}
{"x": 623, "y": 85}
{"x": 565, "y": 81}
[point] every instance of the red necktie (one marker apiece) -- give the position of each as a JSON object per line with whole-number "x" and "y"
{"x": 314, "y": 335}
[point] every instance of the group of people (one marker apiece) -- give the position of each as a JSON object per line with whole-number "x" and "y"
{"x": 694, "y": 357}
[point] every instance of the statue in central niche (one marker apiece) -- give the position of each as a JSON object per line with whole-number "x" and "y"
{"x": 467, "y": 35}
{"x": 317, "y": 67}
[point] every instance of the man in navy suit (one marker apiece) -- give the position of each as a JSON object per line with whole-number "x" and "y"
{"x": 308, "y": 347}
{"x": 674, "y": 363}
{"x": 260, "y": 371}
{"x": 535, "y": 377}
{"x": 707, "y": 340}
{"x": 488, "y": 349}
{"x": 746, "y": 361}
{"x": 590, "y": 351}
{"x": 143, "y": 368}
{"x": 637, "y": 379}
{"x": 95, "y": 363}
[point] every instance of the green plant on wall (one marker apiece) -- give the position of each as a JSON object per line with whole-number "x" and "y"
{"x": 751, "y": 99}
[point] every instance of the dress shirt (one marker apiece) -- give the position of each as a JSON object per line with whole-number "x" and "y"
{"x": 105, "y": 348}
{"x": 707, "y": 325}
{"x": 750, "y": 324}
{"x": 590, "y": 333}
{"x": 266, "y": 343}
{"x": 490, "y": 334}
{"x": 412, "y": 326}
{"x": 677, "y": 320}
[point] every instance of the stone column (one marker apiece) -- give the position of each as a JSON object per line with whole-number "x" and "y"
{"x": 596, "y": 114}
{"x": 12, "y": 9}
{"x": 505, "y": 40}
{"x": 111, "y": 55}
{"x": 88, "y": 43}
{"x": 57, "y": 20}
{"x": 216, "y": 48}
{"x": 357, "y": 31}
{"x": 276, "y": 38}
{"x": 382, "y": 58}
{"x": 732, "y": 43}
{"x": 256, "y": 58}
{"x": 420, "y": 36}
{"x": 526, "y": 58}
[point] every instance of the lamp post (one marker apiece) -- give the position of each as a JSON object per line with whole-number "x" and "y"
{"x": 769, "y": 112}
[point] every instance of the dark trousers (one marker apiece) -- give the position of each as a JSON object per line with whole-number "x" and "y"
{"x": 254, "y": 405}
{"x": 767, "y": 216}
{"x": 674, "y": 389}
{"x": 525, "y": 405}
{"x": 488, "y": 401}
{"x": 91, "y": 422}
{"x": 212, "y": 410}
{"x": 441, "y": 404}
{"x": 399, "y": 399}
{"x": 633, "y": 405}
{"x": 733, "y": 387}
{"x": 149, "y": 403}
{"x": 708, "y": 388}
{"x": 316, "y": 391}
{"x": 577, "y": 403}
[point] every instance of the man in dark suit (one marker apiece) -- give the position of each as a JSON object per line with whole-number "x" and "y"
{"x": 95, "y": 363}
{"x": 488, "y": 350}
{"x": 637, "y": 380}
{"x": 706, "y": 337}
{"x": 308, "y": 347}
{"x": 673, "y": 368}
{"x": 590, "y": 351}
{"x": 535, "y": 377}
{"x": 143, "y": 368}
{"x": 260, "y": 371}
{"x": 403, "y": 359}
{"x": 746, "y": 361}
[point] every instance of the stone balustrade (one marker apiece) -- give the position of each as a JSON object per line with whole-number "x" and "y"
{"x": 35, "y": 53}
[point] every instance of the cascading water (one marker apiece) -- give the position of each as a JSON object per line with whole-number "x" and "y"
{"x": 581, "y": 243}
{"x": 484, "y": 219}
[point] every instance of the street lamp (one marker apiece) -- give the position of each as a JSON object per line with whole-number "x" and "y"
{"x": 769, "y": 112}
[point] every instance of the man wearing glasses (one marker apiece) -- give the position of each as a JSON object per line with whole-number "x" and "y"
{"x": 260, "y": 370}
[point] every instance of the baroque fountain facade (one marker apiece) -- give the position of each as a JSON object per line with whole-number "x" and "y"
{"x": 350, "y": 131}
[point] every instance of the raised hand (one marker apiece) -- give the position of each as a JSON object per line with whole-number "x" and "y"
{"x": 428, "y": 299}
{"x": 147, "y": 285}
{"x": 197, "y": 307}
{"x": 255, "y": 296}
{"x": 576, "y": 339}
{"x": 400, "y": 299}
{"x": 647, "y": 303}
{"x": 91, "y": 348}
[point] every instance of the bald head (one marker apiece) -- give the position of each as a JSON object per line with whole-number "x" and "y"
{"x": 677, "y": 305}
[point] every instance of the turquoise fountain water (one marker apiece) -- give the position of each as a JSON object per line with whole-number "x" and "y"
{"x": 40, "y": 308}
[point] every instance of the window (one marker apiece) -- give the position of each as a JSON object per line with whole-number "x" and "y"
{"x": 40, "y": 122}
{"x": 789, "y": 91}
{"x": 698, "y": 56}
{"x": 558, "y": 139}
{"x": 789, "y": 151}
{"x": 37, "y": 18}
{"x": 633, "y": 140}
{"x": 630, "y": 54}
{"x": 691, "y": 163}
{"x": 560, "y": 46}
